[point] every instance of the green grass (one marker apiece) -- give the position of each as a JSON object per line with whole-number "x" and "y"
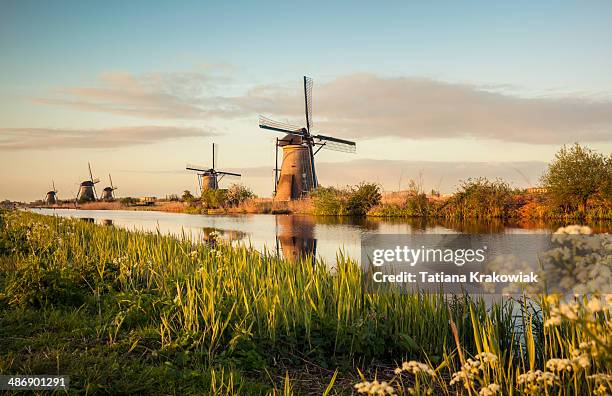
{"x": 127, "y": 312}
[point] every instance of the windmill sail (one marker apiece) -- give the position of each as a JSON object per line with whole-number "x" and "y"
{"x": 308, "y": 101}
{"x": 267, "y": 123}
{"x": 335, "y": 144}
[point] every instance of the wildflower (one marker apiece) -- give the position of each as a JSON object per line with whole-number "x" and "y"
{"x": 594, "y": 305}
{"x": 375, "y": 388}
{"x": 492, "y": 389}
{"x": 559, "y": 365}
{"x": 415, "y": 368}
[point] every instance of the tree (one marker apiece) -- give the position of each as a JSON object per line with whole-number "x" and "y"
{"x": 576, "y": 175}
{"x": 187, "y": 197}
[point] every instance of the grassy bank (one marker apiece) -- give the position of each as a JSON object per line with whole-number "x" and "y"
{"x": 125, "y": 312}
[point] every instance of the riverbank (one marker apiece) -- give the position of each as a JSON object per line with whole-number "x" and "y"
{"x": 520, "y": 207}
{"x": 127, "y": 312}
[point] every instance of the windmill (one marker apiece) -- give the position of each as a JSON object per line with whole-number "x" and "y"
{"x": 87, "y": 189}
{"x": 208, "y": 178}
{"x": 51, "y": 198}
{"x": 107, "y": 193}
{"x": 297, "y": 173}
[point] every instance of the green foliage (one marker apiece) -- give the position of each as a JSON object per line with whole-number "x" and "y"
{"x": 127, "y": 201}
{"x": 576, "y": 175}
{"x": 159, "y": 315}
{"x": 214, "y": 198}
{"x": 350, "y": 201}
{"x": 237, "y": 194}
{"x": 187, "y": 196}
{"x": 479, "y": 198}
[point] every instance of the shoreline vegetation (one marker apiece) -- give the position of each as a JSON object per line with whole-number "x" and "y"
{"x": 576, "y": 186}
{"x": 127, "y": 312}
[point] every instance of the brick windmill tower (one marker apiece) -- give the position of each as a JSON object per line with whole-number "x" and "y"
{"x": 107, "y": 193}
{"x": 51, "y": 197}
{"x": 297, "y": 172}
{"x": 87, "y": 188}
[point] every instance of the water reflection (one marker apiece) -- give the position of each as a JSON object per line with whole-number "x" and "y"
{"x": 295, "y": 235}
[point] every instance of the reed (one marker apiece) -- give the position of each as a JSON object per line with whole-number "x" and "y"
{"x": 231, "y": 314}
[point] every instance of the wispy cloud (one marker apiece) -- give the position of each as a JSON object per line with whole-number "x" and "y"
{"x": 52, "y": 138}
{"x": 360, "y": 106}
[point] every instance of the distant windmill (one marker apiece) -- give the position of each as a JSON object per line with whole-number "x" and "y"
{"x": 208, "y": 178}
{"x": 297, "y": 173}
{"x": 51, "y": 198}
{"x": 87, "y": 189}
{"x": 107, "y": 193}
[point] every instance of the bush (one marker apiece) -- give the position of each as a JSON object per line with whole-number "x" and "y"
{"x": 350, "y": 201}
{"x": 127, "y": 201}
{"x": 214, "y": 199}
{"x": 480, "y": 198}
{"x": 237, "y": 194}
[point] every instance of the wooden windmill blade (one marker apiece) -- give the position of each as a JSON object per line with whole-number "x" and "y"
{"x": 308, "y": 102}
{"x": 267, "y": 123}
{"x": 335, "y": 144}
{"x": 228, "y": 173}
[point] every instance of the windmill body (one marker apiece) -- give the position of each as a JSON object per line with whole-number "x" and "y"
{"x": 107, "y": 193}
{"x": 298, "y": 174}
{"x": 87, "y": 188}
{"x": 51, "y": 197}
{"x": 208, "y": 178}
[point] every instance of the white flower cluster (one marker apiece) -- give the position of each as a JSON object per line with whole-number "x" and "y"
{"x": 490, "y": 390}
{"x": 472, "y": 367}
{"x": 415, "y": 368}
{"x": 580, "y": 263}
{"x": 375, "y": 388}
{"x": 536, "y": 381}
{"x": 574, "y": 230}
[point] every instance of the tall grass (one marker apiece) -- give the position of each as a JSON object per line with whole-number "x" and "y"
{"x": 245, "y": 310}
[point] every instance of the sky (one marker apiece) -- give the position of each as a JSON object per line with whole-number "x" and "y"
{"x": 434, "y": 92}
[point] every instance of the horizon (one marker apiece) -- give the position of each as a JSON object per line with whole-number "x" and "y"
{"x": 140, "y": 90}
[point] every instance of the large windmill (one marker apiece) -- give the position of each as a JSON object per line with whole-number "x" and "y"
{"x": 208, "y": 178}
{"x": 107, "y": 193}
{"x": 87, "y": 189}
{"x": 51, "y": 198}
{"x": 297, "y": 173}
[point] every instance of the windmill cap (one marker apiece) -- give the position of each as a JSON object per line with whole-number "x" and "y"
{"x": 87, "y": 183}
{"x": 108, "y": 189}
{"x": 290, "y": 140}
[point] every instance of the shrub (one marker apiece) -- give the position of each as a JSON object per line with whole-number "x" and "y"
{"x": 237, "y": 194}
{"x": 214, "y": 199}
{"x": 480, "y": 198}
{"x": 362, "y": 198}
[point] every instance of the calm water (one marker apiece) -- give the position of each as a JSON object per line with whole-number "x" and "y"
{"x": 293, "y": 235}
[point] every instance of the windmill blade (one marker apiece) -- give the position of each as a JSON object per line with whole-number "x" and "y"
{"x": 266, "y": 123}
{"x": 90, "y": 174}
{"x": 197, "y": 168}
{"x": 111, "y": 181}
{"x": 229, "y": 174}
{"x": 335, "y": 144}
{"x": 215, "y": 153}
{"x": 308, "y": 101}
{"x": 95, "y": 181}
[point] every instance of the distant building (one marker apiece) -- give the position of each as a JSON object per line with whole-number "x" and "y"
{"x": 148, "y": 200}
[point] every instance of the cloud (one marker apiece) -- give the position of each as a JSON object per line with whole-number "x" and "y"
{"x": 187, "y": 95}
{"x": 359, "y": 106}
{"x": 52, "y": 138}
{"x": 367, "y": 106}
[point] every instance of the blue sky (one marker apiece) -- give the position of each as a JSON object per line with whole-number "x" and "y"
{"x": 545, "y": 49}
